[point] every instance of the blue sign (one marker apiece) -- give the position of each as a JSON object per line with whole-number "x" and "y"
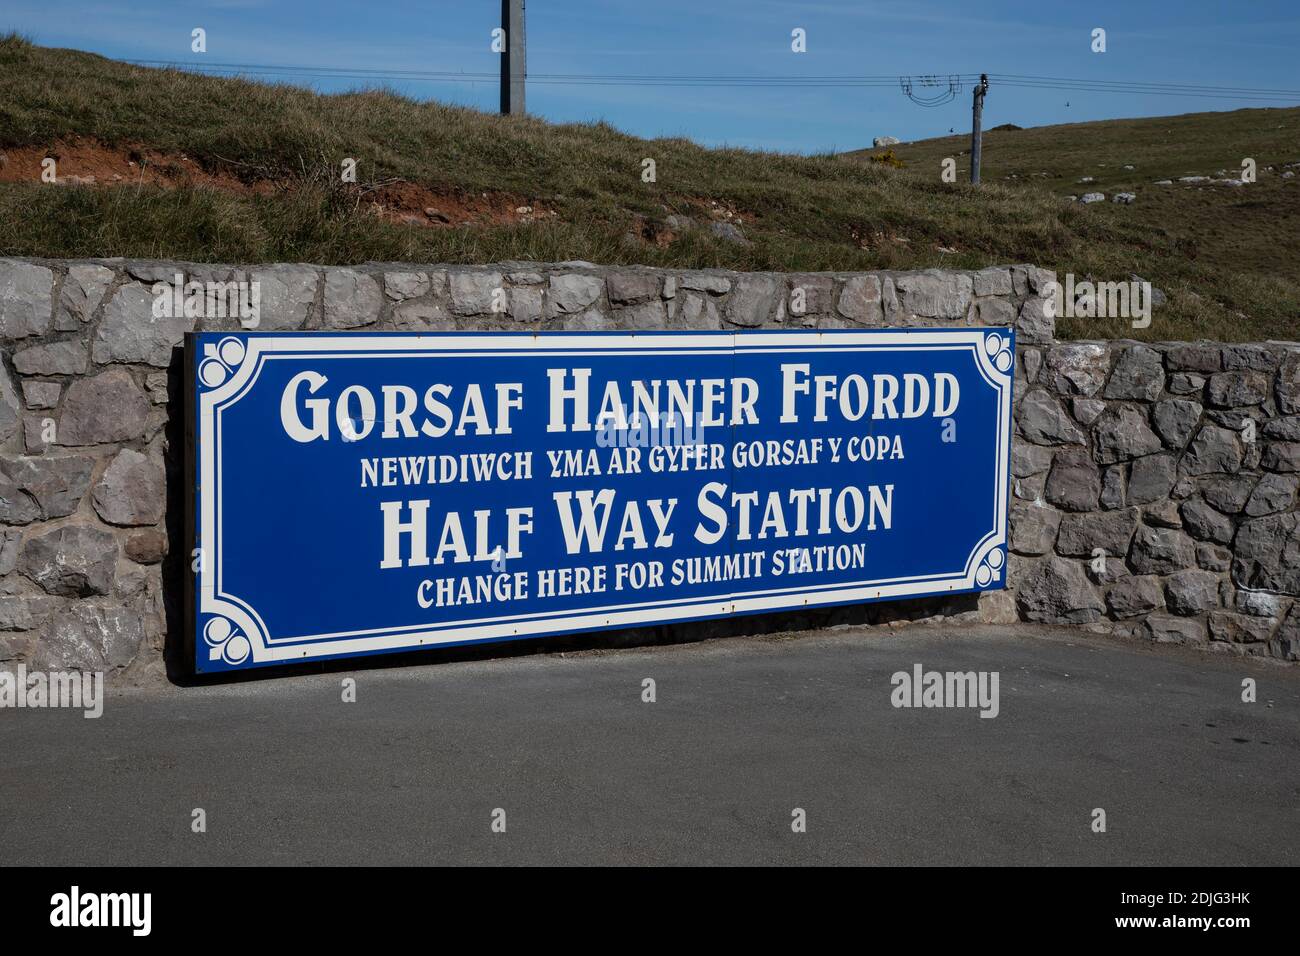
{"x": 365, "y": 493}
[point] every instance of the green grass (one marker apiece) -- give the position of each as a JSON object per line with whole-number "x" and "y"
{"x": 1227, "y": 258}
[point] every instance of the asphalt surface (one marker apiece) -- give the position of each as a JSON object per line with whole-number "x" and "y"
{"x": 742, "y": 732}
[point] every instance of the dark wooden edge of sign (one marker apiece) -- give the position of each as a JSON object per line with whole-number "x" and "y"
{"x": 189, "y": 410}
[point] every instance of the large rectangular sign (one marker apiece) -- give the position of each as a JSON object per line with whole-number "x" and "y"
{"x": 363, "y": 493}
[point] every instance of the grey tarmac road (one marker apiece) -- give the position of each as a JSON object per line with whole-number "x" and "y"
{"x": 743, "y": 731}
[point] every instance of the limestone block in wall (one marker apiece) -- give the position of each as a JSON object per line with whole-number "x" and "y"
{"x": 1288, "y": 383}
{"x": 935, "y": 294}
{"x": 1214, "y": 450}
{"x": 1074, "y": 482}
{"x": 41, "y": 488}
{"x": 706, "y": 282}
{"x": 1083, "y": 535}
{"x": 54, "y": 358}
{"x": 1033, "y": 528}
{"x": 1028, "y": 459}
{"x": 1237, "y": 389}
{"x": 1152, "y": 478}
{"x": 1161, "y": 551}
{"x": 26, "y": 299}
{"x": 1121, "y": 433}
{"x": 352, "y": 299}
{"x": 1056, "y": 591}
{"x": 41, "y": 394}
{"x": 697, "y": 310}
{"x": 1272, "y": 494}
{"x": 752, "y": 301}
{"x": 286, "y": 296}
{"x": 1265, "y": 552}
{"x": 1205, "y": 523}
{"x": 1028, "y": 280}
{"x": 108, "y": 407}
{"x": 1139, "y": 375}
{"x": 70, "y": 560}
{"x": 992, "y": 281}
{"x": 1198, "y": 357}
{"x": 1174, "y": 420}
{"x": 1043, "y": 421}
{"x": 588, "y": 320}
{"x": 1228, "y": 493}
{"x": 997, "y": 607}
{"x": 1260, "y": 358}
{"x": 26, "y": 613}
{"x": 1191, "y": 591}
{"x": 1086, "y": 411}
{"x": 132, "y": 490}
{"x": 131, "y": 332}
{"x": 527, "y": 303}
{"x": 810, "y": 295}
{"x": 421, "y": 316}
{"x": 574, "y": 292}
{"x": 476, "y": 292}
{"x": 628, "y": 288}
{"x": 647, "y": 316}
{"x": 83, "y": 290}
{"x": 90, "y": 636}
{"x": 1285, "y": 643}
{"x": 1169, "y": 629}
{"x": 1030, "y": 361}
{"x": 1240, "y": 628}
{"x": 1076, "y": 368}
{"x": 400, "y": 286}
{"x": 861, "y": 300}
{"x": 1036, "y": 320}
{"x": 1135, "y": 596}
{"x": 10, "y": 408}
{"x": 1281, "y": 457}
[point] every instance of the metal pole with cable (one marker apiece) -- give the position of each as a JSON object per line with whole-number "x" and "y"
{"x": 976, "y": 135}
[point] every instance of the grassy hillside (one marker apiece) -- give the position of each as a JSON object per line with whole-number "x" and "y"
{"x": 167, "y": 164}
{"x": 1247, "y": 235}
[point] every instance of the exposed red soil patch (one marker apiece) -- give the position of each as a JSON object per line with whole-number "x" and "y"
{"x": 412, "y": 203}
{"x": 90, "y": 164}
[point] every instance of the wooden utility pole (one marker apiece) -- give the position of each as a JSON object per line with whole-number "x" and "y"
{"x": 512, "y": 58}
{"x": 976, "y": 136}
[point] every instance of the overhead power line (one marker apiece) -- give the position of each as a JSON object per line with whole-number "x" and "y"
{"x": 945, "y": 86}
{"x": 1145, "y": 89}
{"x": 1010, "y": 77}
{"x": 884, "y": 80}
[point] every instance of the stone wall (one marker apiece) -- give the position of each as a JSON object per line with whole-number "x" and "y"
{"x": 1134, "y": 450}
{"x": 1155, "y": 492}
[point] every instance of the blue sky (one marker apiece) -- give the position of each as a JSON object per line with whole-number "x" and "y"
{"x": 1189, "y": 41}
